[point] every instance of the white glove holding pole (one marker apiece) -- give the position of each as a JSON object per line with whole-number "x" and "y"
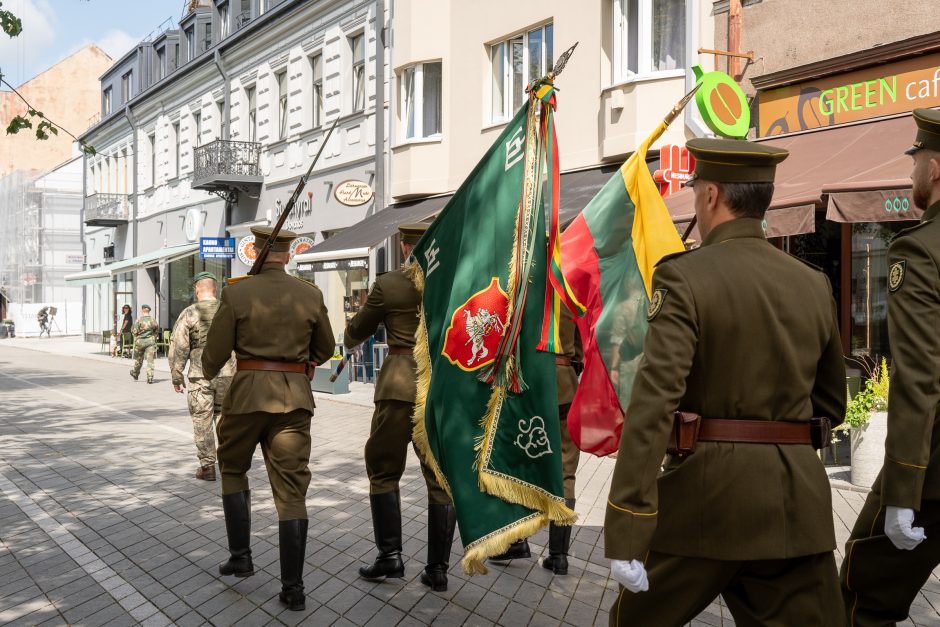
{"x": 898, "y": 521}
{"x": 631, "y": 574}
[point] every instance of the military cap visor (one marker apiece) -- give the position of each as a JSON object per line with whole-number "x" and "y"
{"x": 411, "y": 233}
{"x": 147, "y": 307}
{"x": 734, "y": 161}
{"x": 928, "y": 131}
{"x": 281, "y": 243}
{"x": 204, "y": 275}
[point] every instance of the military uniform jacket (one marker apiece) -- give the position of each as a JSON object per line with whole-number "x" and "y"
{"x": 742, "y": 331}
{"x": 566, "y": 377}
{"x": 912, "y": 450}
{"x": 395, "y": 301}
{"x": 188, "y": 339}
{"x": 143, "y": 330}
{"x": 271, "y": 316}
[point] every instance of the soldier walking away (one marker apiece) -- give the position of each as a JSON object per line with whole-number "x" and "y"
{"x": 204, "y": 396}
{"x": 43, "y": 319}
{"x": 277, "y": 325}
{"x": 744, "y": 340}
{"x": 394, "y": 301}
{"x": 896, "y": 540}
{"x": 144, "y": 331}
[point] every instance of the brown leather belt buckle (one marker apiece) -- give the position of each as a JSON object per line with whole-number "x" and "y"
{"x": 400, "y": 350}
{"x": 685, "y": 432}
{"x": 562, "y": 361}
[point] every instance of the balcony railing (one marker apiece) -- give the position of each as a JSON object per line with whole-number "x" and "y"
{"x": 242, "y": 19}
{"x": 106, "y": 209}
{"x": 227, "y": 165}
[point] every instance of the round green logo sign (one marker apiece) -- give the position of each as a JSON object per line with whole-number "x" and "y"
{"x": 722, "y": 104}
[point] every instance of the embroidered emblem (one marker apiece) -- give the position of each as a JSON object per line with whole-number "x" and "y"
{"x": 656, "y": 303}
{"x": 476, "y": 327}
{"x": 896, "y": 275}
{"x": 533, "y": 439}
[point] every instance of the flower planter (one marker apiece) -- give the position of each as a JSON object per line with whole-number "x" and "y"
{"x": 868, "y": 449}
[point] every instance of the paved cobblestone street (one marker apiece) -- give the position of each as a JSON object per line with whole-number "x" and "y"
{"x": 101, "y": 521}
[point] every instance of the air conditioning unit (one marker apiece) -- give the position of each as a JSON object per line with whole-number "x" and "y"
{"x": 109, "y": 253}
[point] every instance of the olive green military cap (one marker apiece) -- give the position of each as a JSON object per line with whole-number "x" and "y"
{"x": 928, "y": 131}
{"x": 281, "y": 243}
{"x": 147, "y": 307}
{"x": 205, "y": 275}
{"x": 411, "y": 233}
{"x": 734, "y": 160}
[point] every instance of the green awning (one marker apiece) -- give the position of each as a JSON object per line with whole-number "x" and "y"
{"x": 88, "y": 277}
{"x": 153, "y": 258}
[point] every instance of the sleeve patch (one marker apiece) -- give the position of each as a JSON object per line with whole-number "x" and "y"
{"x": 896, "y": 275}
{"x": 656, "y": 303}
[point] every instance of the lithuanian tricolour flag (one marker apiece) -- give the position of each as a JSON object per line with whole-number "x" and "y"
{"x": 608, "y": 255}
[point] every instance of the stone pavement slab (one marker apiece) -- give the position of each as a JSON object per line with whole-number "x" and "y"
{"x": 101, "y": 521}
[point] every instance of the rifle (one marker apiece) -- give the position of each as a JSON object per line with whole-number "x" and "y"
{"x": 263, "y": 253}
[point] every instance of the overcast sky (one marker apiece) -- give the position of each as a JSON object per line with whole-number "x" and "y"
{"x": 54, "y": 29}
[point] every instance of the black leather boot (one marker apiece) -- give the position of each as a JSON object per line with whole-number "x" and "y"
{"x": 517, "y": 550}
{"x": 237, "y": 508}
{"x": 559, "y": 540}
{"x": 386, "y": 522}
{"x": 292, "y": 544}
{"x": 441, "y": 523}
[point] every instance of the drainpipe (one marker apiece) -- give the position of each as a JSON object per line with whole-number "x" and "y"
{"x": 379, "y": 191}
{"x": 132, "y": 121}
{"x": 226, "y": 123}
{"x": 691, "y": 53}
{"x": 81, "y": 235}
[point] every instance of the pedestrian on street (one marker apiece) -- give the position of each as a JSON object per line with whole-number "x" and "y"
{"x": 744, "y": 339}
{"x": 895, "y": 543}
{"x": 127, "y": 322}
{"x": 145, "y": 343}
{"x": 204, "y": 396}
{"x": 277, "y": 325}
{"x": 394, "y": 301}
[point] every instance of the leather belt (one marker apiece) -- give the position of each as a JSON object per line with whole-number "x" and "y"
{"x": 562, "y": 361}
{"x": 756, "y": 431}
{"x": 271, "y": 366}
{"x": 401, "y": 350}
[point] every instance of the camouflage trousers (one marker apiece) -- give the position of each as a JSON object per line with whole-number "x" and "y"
{"x": 204, "y": 397}
{"x": 144, "y": 352}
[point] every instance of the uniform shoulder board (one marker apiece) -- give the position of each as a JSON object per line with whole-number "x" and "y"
{"x": 303, "y": 280}
{"x": 672, "y": 256}
{"x": 910, "y": 229}
{"x": 806, "y": 263}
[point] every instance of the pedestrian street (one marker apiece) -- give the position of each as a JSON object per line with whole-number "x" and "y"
{"x": 102, "y": 522}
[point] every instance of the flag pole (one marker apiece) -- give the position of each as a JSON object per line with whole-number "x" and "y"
{"x": 670, "y": 117}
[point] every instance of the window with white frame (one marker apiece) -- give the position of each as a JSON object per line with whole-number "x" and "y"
{"x": 127, "y": 87}
{"x": 152, "y": 140}
{"x": 421, "y": 101}
{"x": 191, "y": 43}
{"x": 178, "y": 144}
{"x": 514, "y": 63}
{"x": 252, "y": 117}
{"x": 316, "y": 72}
{"x": 220, "y": 115}
{"x": 197, "y": 125}
{"x": 106, "y": 104}
{"x": 223, "y": 21}
{"x": 357, "y": 45}
{"x": 648, "y": 37}
{"x": 281, "y": 79}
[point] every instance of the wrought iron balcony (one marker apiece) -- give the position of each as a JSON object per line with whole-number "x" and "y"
{"x": 242, "y": 19}
{"x": 106, "y": 209}
{"x": 227, "y": 165}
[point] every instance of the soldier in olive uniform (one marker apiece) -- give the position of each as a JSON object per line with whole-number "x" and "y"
{"x": 745, "y": 336}
{"x": 394, "y": 301}
{"x": 887, "y": 558}
{"x": 204, "y": 396}
{"x": 277, "y": 325}
{"x": 144, "y": 331}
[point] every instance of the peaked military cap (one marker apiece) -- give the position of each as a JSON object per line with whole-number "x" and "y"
{"x": 928, "y": 131}
{"x": 411, "y": 233}
{"x": 734, "y": 160}
{"x": 147, "y": 307}
{"x": 204, "y": 275}
{"x": 281, "y": 243}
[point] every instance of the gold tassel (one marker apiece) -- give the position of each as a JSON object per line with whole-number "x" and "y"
{"x": 498, "y": 542}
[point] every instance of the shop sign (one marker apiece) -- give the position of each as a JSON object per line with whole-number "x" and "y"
{"x": 353, "y": 193}
{"x": 217, "y": 248}
{"x": 873, "y": 92}
{"x": 74, "y": 259}
{"x": 722, "y": 104}
{"x": 246, "y": 250}
{"x": 340, "y": 264}
{"x": 192, "y": 224}
{"x": 302, "y": 208}
{"x": 301, "y": 245}
{"x": 676, "y": 164}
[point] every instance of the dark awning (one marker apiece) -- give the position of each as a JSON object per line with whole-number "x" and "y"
{"x": 777, "y": 222}
{"x": 578, "y": 188}
{"x": 848, "y": 162}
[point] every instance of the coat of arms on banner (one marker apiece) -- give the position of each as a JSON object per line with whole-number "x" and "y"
{"x": 476, "y": 328}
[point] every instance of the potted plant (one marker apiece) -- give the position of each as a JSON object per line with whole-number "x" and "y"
{"x": 866, "y": 419}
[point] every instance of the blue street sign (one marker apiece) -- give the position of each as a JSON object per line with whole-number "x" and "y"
{"x": 216, "y": 247}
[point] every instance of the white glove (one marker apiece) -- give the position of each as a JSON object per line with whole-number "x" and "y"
{"x": 898, "y": 528}
{"x": 630, "y": 574}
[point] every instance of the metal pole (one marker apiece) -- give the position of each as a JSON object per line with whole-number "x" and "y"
{"x": 378, "y": 202}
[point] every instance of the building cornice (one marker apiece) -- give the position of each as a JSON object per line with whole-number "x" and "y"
{"x": 877, "y": 55}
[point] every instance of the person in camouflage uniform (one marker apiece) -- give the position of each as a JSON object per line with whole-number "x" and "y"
{"x": 204, "y": 396}
{"x": 145, "y": 343}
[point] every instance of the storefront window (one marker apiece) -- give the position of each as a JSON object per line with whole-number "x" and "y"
{"x": 181, "y": 273}
{"x": 869, "y": 309}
